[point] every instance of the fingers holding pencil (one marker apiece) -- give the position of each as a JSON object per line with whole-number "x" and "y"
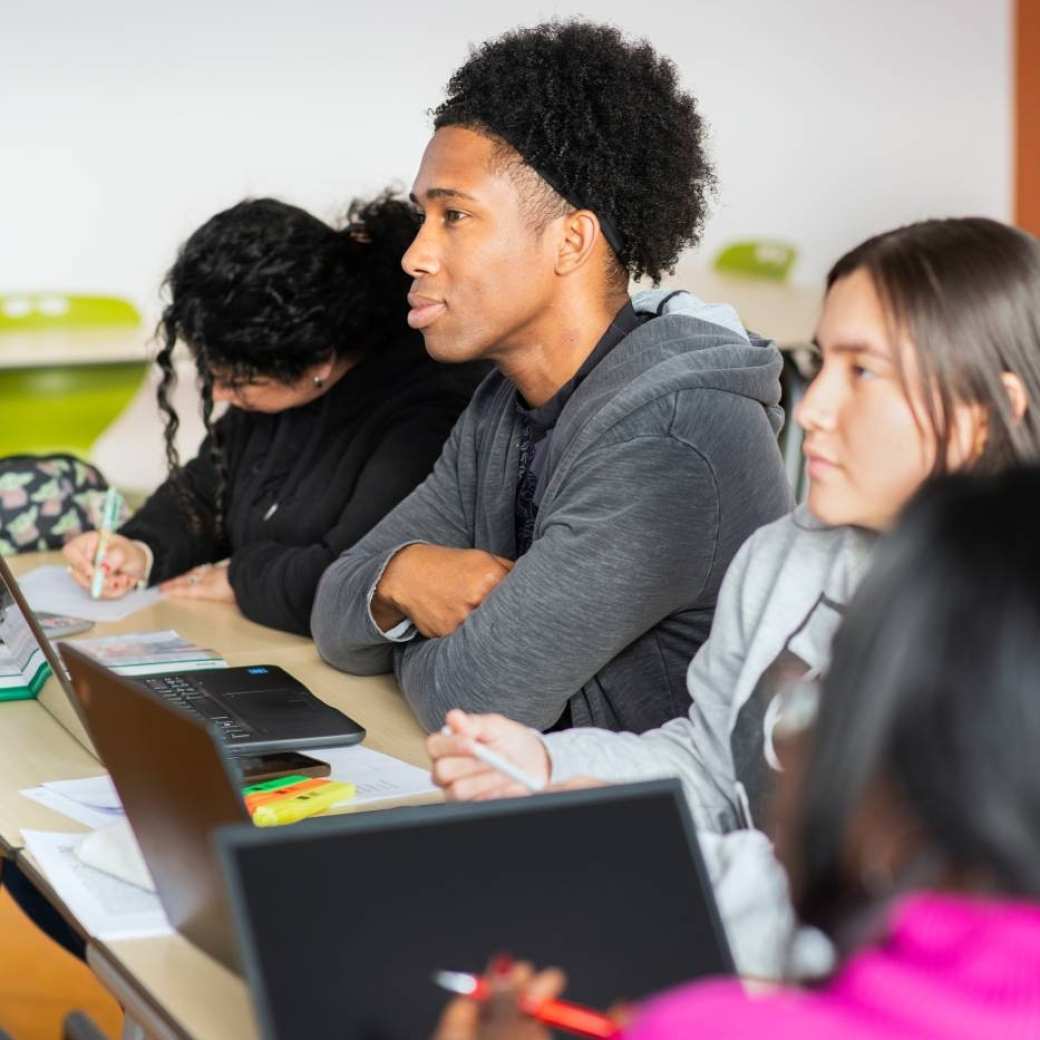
{"x": 487, "y": 756}
{"x": 505, "y": 1014}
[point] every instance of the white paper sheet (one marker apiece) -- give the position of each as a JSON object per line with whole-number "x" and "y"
{"x": 96, "y": 792}
{"x": 52, "y": 589}
{"x": 377, "y": 776}
{"x": 85, "y": 814}
{"x": 106, "y": 907}
{"x": 114, "y": 850}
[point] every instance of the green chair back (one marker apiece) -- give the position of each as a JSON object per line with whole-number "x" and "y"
{"x": 63, "y": 407}
{"x": 757, "y": 258}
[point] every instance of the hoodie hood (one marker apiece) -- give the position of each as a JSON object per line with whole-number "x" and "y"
{"x": 687, "y": 344}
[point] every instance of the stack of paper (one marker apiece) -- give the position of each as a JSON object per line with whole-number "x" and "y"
{"x": 92, "y": 802}
{"x": 106, "y": 907}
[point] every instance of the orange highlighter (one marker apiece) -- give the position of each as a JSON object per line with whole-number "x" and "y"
{"x": 307, "y": 783}
{"x": 561, "y": 1014}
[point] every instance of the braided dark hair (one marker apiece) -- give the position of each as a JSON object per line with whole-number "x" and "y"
{"x": 265, "y": 289}
{"x": 604, "y": 123}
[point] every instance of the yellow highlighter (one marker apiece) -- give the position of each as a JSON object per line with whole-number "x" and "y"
{"x": 307, "y": 803}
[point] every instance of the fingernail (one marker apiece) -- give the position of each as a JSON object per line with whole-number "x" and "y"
{"x": 501, "y": 964}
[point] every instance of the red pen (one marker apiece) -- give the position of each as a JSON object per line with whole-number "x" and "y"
{"x": 573, "y": 1018}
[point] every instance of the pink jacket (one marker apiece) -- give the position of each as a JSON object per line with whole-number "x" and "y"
{"x": 950, "y": 968}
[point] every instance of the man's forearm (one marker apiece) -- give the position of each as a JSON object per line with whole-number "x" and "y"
{"x": 341, "y": 622}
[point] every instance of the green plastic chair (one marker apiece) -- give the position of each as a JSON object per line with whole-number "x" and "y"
{"x": 757, "y": 258}
{"x": 64, "y": 407}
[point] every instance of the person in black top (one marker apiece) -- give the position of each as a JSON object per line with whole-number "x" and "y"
{"x": 336, "y": 410}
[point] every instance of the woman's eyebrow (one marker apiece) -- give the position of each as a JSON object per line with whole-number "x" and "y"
{"x": 853, "y": 347}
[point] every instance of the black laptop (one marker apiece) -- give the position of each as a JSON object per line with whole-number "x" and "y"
{"x": 177, "y": 785}
{"x": 254, "y": 709}
{"x": 343, "y": 923}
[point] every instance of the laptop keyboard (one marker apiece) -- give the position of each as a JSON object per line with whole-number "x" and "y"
{"x": 190, "y": 696}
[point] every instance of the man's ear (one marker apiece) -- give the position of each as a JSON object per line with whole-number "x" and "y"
{"x": 580, "y": 235}
{"x": 1017, "y": 396}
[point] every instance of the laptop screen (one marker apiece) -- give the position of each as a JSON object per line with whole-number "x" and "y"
{"x": 343, "y": 921}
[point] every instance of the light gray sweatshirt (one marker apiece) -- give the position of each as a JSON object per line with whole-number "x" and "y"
{"x": 778, "y": 609}
{"x": 779, "y": 606}
{"x": 661, "y": 464}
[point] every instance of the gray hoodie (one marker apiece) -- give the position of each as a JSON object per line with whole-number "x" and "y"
{"x": 661, "y": 464}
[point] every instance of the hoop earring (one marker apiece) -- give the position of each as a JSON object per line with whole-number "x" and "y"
{"x": 319, "y": 382}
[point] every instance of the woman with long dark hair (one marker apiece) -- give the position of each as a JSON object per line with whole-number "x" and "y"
{"x": 911, "y": 822}
{"x": 336, "y": 411}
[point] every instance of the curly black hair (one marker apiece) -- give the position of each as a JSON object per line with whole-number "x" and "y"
{"x": 266, "y": 289}
{"x": 604, "y": 121}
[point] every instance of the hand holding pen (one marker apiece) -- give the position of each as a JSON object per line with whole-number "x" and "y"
{"x": 109, "y": 519}
{"x": 515, "y": 1003}
{"x": 487, "y": 756}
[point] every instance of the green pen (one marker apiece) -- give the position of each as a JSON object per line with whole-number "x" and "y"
{"x": 109, "y": 517}
{"x": 273, "y": 785}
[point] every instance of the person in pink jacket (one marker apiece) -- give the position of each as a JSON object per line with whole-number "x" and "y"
{"x": 908, "y": 814}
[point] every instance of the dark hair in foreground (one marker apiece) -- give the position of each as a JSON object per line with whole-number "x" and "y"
{"x": 266, "y": 289}
{"x": 934, "y": 690}
{"x": 967, "y": 294}
{"x": 604, "y": 121}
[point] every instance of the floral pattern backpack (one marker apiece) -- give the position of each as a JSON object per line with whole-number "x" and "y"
{"x": 47, "y": 499}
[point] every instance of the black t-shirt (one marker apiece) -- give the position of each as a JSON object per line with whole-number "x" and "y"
{"x": 537, "y": 424}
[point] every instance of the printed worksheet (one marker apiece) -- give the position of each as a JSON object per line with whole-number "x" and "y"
{"x": 109, "y": 909}
{"x": 376, "y": 776}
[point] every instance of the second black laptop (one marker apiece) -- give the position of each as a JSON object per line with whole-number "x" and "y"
{"x": 343, "y": 922}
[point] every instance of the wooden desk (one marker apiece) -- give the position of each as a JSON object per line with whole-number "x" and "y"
{"x": 35, "y": 749}
{"x": 168, "y": 987}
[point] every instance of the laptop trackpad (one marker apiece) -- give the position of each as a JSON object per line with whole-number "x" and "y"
{"x": 279, "y": 712}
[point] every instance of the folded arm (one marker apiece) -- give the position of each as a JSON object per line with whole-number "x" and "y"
{"x": 609, "y": 563}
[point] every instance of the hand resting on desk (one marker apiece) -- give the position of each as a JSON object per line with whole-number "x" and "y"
{"x": 208, "y": 581}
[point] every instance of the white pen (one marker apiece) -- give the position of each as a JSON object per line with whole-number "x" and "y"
{"x": 496, "y": 761}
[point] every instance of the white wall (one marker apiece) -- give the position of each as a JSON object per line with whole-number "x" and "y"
{"x": 124, "y": 125}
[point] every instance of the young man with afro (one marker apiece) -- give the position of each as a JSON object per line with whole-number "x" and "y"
{"x": 561, "y": 563}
